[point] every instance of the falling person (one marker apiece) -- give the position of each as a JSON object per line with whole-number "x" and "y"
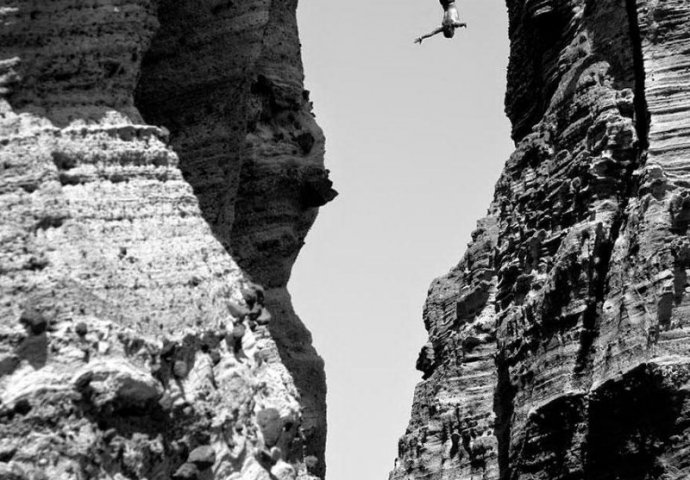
{"x": 451, "y": 21}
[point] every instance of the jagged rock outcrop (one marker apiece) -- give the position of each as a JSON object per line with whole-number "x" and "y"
{"x": 135, "y": 341}
{"x": 558, "y": 345}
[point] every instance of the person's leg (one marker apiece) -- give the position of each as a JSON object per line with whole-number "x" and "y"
{"x": 450, "y": 15}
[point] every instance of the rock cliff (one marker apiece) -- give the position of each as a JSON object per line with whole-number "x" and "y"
{"x": 159, "y": 170}
{"x": 558, "y": 346}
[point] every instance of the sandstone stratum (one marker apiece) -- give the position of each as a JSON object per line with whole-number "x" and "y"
{"x": 559, "y": 345}
{"x": 159, "y": 169}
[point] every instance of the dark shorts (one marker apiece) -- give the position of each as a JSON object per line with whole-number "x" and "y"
{"x": 445, "y": 3}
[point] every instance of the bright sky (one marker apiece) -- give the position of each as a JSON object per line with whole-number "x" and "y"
{"x": 416, "y": 138}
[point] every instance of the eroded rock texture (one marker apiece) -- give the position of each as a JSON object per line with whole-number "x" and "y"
{"x": 558, "y": 346}
{"x": 133, "y": 344}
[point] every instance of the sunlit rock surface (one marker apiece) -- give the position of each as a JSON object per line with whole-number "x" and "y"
{"x": 158, "y": 161}
{"x": 558, "y": 347}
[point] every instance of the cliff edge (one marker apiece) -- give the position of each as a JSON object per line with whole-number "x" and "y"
{"x": 558, "y": 346}
{"x": 159, "y": 170}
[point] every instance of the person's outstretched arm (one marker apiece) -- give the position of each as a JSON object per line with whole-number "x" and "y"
{"x": 435, "y": 32}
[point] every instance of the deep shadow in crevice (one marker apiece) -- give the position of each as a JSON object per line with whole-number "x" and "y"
{"x": 503, "y": 408}
{"x": 642, "y": 117}
{"x": 631, "y": 420}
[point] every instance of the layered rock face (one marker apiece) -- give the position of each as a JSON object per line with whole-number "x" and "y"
{"x": 135, "y": 341}
{"x": 558, "y": 346}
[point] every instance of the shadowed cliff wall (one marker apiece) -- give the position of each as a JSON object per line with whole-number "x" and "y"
{"x": 558, "y": 345}
{"x": 226, "y": 78}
